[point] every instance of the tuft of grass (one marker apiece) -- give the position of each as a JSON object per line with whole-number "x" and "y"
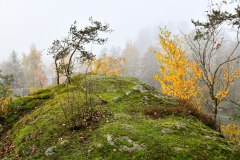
{"x": 182, "y": 109}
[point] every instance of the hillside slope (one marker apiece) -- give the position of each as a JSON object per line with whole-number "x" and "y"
{"x": 124, "y": 131}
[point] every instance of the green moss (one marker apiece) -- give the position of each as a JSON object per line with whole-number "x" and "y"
{"x": 42, "y": 90}
{"x": 126, "y": 134}
{"x": 170, "y": 144}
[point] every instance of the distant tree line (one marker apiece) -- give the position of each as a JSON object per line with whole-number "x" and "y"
{"x": 27, "y": 71}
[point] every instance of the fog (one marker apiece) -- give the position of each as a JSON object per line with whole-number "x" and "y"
{"x": 36, "y": 24}
{"x": 39, "y": 22}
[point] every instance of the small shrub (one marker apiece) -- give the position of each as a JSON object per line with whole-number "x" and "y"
{"x": 78, "y": 114}
{"x": 183, "y": 108}
{"x": 207, "y": 119}
{"x": 5, "y": 107}
{"x": 232, "y": 132}
{"x": 81, "y": 106}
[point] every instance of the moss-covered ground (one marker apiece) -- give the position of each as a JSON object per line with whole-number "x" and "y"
{"x": 125, "y": 132}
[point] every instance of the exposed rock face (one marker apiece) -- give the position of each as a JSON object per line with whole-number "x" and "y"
{"x": 178, "y": 149}
{"x": 181, "y": 126}
{"x": 50, "y": 151}
{"x": 99, "y": 145}
{"x": 134, "y": 148}
{"x": 209, "y": 137}
{"x": 116, "y": 99}
{"x": 141, "y": 88}
{"x": 110, "y": 140}
{"x": 166, "y": 130}
{"x": 63, "y": 142}
{"x": 133, "y": 145}
{"x": 128, "y": 93}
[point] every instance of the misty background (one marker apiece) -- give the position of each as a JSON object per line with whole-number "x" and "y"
{"x": 39, "y": 22}
{"x": 28, "y": 27}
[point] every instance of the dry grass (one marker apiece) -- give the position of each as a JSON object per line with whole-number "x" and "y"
{"x": 182, "y": 108}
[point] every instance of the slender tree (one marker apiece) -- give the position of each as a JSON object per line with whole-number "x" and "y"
{"x": 34, "y": 73}
{"x": 73, "y": 46}
{"x": 178, "y": 74}
{"x": 217, "y": 74}
{"x": 149, "y": 67}
{"x": 132, "y": 60}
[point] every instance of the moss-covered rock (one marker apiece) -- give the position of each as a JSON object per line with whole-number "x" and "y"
{"x": 126, "y": 132}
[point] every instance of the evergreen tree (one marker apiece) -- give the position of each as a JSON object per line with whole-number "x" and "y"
{"x": 13, "y": 67}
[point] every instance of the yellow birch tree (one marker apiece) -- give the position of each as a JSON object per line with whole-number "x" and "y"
{"x": 108, "y": 65}
{"x": 178, "y": 74}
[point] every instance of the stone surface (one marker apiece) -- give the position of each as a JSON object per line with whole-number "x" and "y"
{"x": 217, "y": 133}
{"x": 110, "y": 140}
{"x": 145, "y": 98}
{"x": 177, "y": 149}
{"x": 181, "y": 126}
{"x": 166, "y": 130}
{"x": 50, "y": 151}
{"x": 140, "y": 88}
{"x": 134, "y": 147}
{"x": 63, "y": 142}
{"x": 209, "y": 137}
{"x": 116, "y": 99}
{"x": 99, "y": 145}
{"x": 128, "y": 93}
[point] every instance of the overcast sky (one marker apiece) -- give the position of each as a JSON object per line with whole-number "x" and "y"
{"x": 39, "y": 22}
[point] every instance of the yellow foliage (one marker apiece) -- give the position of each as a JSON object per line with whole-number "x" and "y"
{"x": 5, "y": 104}
{"x": 107, "y": 65}
{"x": 178, "y": 74}
{"x": 221, "y": 94}
{"x": 230, "y": 73}
{"x": 232, "y": 132}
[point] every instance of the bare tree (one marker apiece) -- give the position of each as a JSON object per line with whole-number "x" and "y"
{"x": 217, "y": 74}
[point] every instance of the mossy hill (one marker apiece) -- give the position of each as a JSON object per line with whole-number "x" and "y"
{"x": 125, "y": 132}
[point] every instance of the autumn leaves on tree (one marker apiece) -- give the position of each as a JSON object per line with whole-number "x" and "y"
{"x": 190, "y": 79}
{"x": 211, "y": 72}
{"x": 108, "y": 65}
{"x": 178, "y": 74}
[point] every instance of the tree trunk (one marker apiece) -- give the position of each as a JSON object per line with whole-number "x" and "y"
{"x": 68, "y": 78}
{"x": 68, "y": 69}
{"x": 215, "y": 114}
{"x": 58, "y": 78}
{"x": 57, "y": 73}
